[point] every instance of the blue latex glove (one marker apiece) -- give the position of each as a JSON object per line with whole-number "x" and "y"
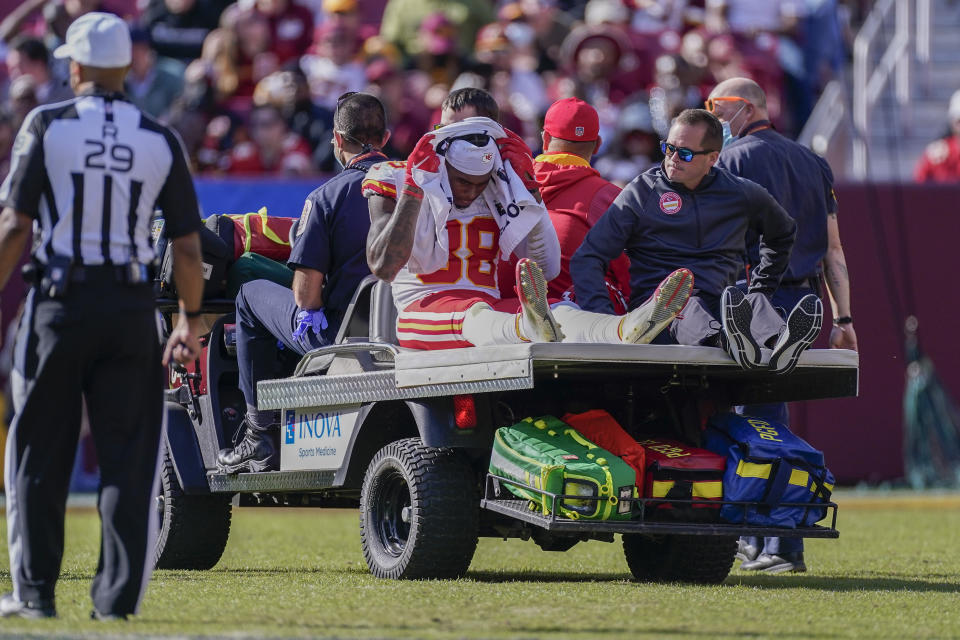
{"x": 307, "y": 319}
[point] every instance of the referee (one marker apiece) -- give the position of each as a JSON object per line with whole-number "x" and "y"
{"x": 87, "y": 174}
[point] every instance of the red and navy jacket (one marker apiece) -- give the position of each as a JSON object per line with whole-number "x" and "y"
{"x": 576, "y": 196}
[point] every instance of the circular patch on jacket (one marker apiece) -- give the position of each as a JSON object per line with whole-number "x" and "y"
{"x": 670, "y": 203}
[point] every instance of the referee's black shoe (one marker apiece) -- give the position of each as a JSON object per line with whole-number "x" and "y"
{"x": 255, "y": 452}
{"x": 10, "y": 606}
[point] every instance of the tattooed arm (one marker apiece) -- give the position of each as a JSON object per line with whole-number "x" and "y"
{"x": 838, "y": 287}
{"x": 392, "y": 227}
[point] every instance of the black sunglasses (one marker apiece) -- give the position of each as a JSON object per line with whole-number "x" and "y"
{"x": 476, "y": 139}
{"x": 342, "y": 99}
{"x": 365, "y": 147}
{"x": 685, "y": 154}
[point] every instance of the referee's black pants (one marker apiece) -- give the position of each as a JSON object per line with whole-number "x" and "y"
{"x": 100, "y": 342}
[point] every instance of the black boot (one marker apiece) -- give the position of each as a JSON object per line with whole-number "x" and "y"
{"x": 255, "y": 452}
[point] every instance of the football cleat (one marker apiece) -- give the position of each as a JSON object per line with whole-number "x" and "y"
{"x": 645, "y": 323}
{"x": 535, "y": 322}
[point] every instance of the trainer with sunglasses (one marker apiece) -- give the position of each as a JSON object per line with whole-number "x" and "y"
{"x": 329, "y": 261}
{"x": 689, "y": 213}
{"x": 802, "y": 182}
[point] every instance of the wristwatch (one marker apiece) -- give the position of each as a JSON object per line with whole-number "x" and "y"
{"x": 842, "y": 320}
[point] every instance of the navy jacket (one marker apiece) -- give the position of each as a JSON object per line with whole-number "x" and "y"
{"x": 663, "y": 226}
{"x": 331, "y": 237}
{"x": 800, "y": 180}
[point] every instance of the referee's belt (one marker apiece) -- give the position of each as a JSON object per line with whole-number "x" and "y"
{"x": 129, "y": 273}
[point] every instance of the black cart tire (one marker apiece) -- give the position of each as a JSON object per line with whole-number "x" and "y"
{"x": 193, "y": 528}
{"x": 419, "y": 512}
{"x": 680, "y": 558}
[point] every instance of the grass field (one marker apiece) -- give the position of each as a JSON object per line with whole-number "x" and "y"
{"x": 894, "y": 573}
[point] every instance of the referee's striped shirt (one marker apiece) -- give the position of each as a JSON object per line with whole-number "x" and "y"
{"x": 91, "y": 171}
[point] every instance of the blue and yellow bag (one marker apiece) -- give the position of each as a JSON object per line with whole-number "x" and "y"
{"x": 768, "y": 465}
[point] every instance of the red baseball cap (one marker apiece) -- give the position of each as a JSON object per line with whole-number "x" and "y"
{"x": 572, "y": 119}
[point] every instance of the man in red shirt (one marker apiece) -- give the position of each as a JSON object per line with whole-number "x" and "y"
{"x": 574, "y": 192}
{"x": 272, "y": 149}
{"x": 940, "y": 161}
{"x": 291, "y": 28}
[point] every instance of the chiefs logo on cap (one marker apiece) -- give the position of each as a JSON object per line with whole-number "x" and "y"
{"x": 670, "y": 203}
{"x": 486, "y": 158}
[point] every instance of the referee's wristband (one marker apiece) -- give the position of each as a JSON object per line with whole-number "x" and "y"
{"x": 842, "y": 320}
{"x": 192, "y": 314}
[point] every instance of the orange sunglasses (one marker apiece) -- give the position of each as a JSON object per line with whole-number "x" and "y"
{"x": 711, "y": 103}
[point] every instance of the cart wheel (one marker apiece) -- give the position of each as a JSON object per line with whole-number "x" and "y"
{"x": 679, "y": 558}
{"x": 193, "y": 528}
{"x": 419, "y": 512}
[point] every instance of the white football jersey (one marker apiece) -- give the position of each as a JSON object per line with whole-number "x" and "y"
{"x": 473, "y": 240}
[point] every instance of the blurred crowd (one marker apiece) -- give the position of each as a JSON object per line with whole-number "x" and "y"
{"x": 251, "y": 85}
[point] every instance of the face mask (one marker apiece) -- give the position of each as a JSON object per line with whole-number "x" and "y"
{"x": 336, "y": 154}
{"x": 728, "y": 136}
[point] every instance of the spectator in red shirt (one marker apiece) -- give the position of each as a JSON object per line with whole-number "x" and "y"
{"x": 245, "y": 57}
{"x": 405, "y": 108}
{"x": 940, "y": 161}
{"x": 345, "y": 15}
{"x": 575, "y": 194}
{"x": 291, "y": 28}
{"x": 335, "y": 68}
{"x": 272, "y": 148}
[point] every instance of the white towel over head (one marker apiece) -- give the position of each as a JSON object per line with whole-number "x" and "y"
{"x": 514, "y": 208}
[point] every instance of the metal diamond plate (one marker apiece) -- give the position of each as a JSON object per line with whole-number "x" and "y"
{"x": 271, "y": 481}
{"x": 352, "y": 389}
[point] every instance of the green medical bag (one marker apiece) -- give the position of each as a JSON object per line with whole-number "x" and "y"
{"x": 547, "y": 455}
{"x": 253, "y": 266}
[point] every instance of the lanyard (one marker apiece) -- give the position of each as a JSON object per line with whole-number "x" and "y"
{"x": 759, "y": 125}
{"x": 362, "y": 157}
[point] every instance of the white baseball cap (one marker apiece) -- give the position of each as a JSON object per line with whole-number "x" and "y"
{"x": 472, "y": 160}
{"x": 97, "y": 40}
{"x": 954, "y": 110}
